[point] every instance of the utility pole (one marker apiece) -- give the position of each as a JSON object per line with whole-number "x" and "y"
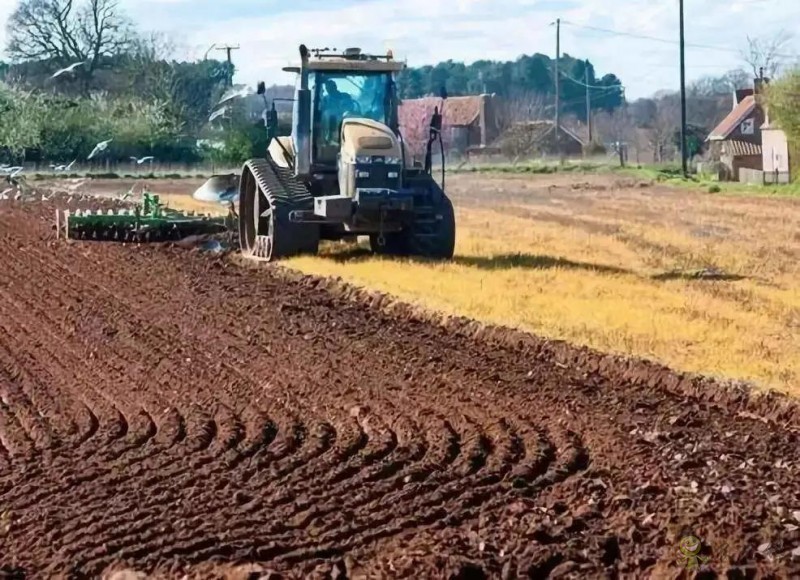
{"x": 588, "y": 100}
{"x": 558, "y": 90}
{"x": 684, "y": 151}
{"x": 228, "y": 48}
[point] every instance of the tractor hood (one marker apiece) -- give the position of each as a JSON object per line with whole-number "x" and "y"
{"x": 365, "y": 138}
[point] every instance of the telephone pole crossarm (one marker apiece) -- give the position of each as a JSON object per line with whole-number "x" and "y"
{"x": 228, "y": 48}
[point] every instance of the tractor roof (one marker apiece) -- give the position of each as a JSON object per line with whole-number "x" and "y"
{"x": 352, "y": 59}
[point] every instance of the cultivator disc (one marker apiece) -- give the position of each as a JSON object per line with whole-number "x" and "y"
{"x": 148, "y": 223}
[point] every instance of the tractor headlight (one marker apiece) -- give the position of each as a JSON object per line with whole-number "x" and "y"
{"x": 393, "y": 161}
{"x": 365, "y": 159}
{"x": 392, "y": 175}
{"x": 362, "y": 174}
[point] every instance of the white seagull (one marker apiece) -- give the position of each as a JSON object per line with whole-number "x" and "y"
{"x": 102, "y": 146}
{"x": 217, "y": 113}
{"x": 70, "y": 68}
{"x": 143, "y": 159}
{"x": 235, "y": 92}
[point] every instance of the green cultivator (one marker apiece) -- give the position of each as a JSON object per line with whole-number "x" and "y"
{"x": 147, "y": 222}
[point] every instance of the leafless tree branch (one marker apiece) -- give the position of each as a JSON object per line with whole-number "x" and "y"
{"x": 767, "y": 54}
{"x": 515, "y": 117}
{"x": 63, "y": 32}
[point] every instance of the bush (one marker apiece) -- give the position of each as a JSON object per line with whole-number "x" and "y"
{"x": 714, "y": 188}
{"x": 47, "y": 128}
{"x": 594, "y": 148}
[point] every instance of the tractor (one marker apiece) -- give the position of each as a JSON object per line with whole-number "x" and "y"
{"x": 345, "y": 170}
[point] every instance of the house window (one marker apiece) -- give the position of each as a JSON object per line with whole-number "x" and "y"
{"x": 748, "y": 127}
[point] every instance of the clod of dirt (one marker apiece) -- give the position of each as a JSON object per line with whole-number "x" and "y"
{"x": 127, "y": 575}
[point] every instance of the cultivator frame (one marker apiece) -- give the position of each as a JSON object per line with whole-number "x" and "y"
{"x": 149, "y": 221}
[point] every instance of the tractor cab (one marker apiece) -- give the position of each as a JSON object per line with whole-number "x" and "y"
{"x": 332, "y": 88}
{"x": 339, "y": 95}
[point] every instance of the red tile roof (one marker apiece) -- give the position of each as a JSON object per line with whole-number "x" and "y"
{"x": 457, "y": 110}
{"x": 739, "y": 113}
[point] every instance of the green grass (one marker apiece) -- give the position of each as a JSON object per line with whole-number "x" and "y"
{"x": 666, "y": 174}
{"x": 709, "y": 183}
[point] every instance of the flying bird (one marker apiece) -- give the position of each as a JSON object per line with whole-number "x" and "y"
{"x": 143, "y": 159}
{"x": 102, "y": 146}
{"x": 217, "y": 113}
{"x": 68, "y": 69}
{"x": 236, "y": 92}
{"x": 62, "y": 167}
{"x": 130, "y": 193}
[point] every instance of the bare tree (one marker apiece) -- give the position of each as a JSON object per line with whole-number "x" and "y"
{"x": 519, "y": 107}
{"x": 65, "y": 32}
{"x": 618, "y": 128}
{"x": 153, "y": 46}
{"x": 667, "y": 121}
{"x": 767, "y": 54}
{"x": 149, "y": 70}
{"x": 519, "y": 123}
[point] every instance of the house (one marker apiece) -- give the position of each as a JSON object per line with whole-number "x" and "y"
{"x": 775, "y": 153}
{"x": 736, "y": 141}
{"x": 467, "y": 122}
{"x": 539, "y": 138}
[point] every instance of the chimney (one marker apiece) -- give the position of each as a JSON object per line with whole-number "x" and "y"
{"x": 758, "y": 84}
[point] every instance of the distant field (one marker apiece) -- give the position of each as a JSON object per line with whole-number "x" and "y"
{"x": 704, "y": 282}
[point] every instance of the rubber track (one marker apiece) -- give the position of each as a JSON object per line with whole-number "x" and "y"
{"x": 285, "y": 194}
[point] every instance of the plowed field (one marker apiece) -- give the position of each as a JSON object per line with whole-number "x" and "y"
{"x": 180, "y": 413}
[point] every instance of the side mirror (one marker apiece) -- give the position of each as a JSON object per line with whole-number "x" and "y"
{"x": 262, "y": 88}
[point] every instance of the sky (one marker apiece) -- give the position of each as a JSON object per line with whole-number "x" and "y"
{"x": 428, "y": 31}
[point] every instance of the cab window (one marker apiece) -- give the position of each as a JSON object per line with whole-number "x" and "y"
{"x": 338, "y": 95}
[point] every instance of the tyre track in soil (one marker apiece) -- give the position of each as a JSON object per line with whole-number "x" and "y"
{"x": 179, "y": 413}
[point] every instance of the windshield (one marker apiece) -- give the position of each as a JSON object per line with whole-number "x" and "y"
{"x": 338, "y": 95}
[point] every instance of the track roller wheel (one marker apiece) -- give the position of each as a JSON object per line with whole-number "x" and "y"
{"x": 267, "y": 195}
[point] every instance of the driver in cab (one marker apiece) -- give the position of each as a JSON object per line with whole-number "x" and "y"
{"x": 335, "y": 104}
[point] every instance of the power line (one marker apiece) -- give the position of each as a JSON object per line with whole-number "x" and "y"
{"x": 577, "y": 82}
{"x": 662, "y": 40}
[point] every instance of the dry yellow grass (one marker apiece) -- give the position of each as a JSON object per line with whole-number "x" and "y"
{"x": 611, "y": 265}
{"x": 182, "y": 202}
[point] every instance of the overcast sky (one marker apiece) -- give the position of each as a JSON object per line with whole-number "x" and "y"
{"x": 428, "y": 31}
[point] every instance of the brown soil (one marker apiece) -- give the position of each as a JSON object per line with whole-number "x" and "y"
{"x": 181, "y": 414}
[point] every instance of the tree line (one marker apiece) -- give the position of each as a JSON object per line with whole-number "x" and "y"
{"x": 529, "y": 74}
